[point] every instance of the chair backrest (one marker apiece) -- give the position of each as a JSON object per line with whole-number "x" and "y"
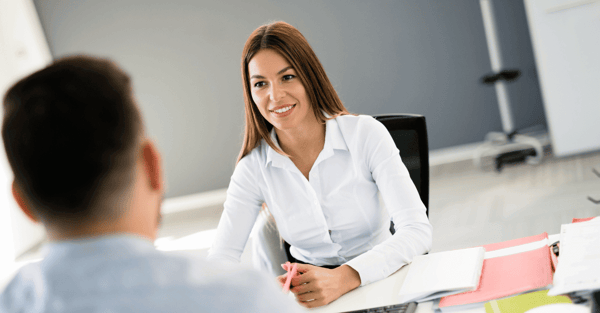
{"x": 409, "y": 132}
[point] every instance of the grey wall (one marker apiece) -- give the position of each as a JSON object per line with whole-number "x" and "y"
{"x": 395, "y": 56}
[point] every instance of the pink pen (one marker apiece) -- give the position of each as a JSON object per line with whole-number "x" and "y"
{"x": 291, "y": 273}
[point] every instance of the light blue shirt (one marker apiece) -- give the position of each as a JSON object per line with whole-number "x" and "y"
{"x": 125, "y": 273}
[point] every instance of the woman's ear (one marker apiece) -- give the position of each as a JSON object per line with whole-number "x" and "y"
{"x": 151, "y": 159}
{"x": 18, "y": 195}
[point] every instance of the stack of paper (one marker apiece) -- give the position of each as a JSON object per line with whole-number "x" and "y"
{"x": 509, "y": 268}
{"x": 578, "y": 267}
{"x": 440, "y": 274}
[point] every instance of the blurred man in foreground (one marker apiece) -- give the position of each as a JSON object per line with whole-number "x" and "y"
{"x": 85, "y": 169}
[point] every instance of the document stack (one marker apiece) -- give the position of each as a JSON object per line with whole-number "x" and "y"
{"x": 578, "y": 270}
{"x": 440, "y": 274}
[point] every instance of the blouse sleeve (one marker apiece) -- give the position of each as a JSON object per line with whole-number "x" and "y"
{"x": 241, "y": 208}
{"x": 413, "y": 234}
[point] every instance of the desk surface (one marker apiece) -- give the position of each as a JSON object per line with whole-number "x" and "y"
{"x": 384, "y": 292}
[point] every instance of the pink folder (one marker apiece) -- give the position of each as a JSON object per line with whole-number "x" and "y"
{"x": 579, "y": 220}
{"x": 508, "y": 275}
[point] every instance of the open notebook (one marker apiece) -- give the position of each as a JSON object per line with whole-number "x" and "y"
{"x": 440, "y": 274}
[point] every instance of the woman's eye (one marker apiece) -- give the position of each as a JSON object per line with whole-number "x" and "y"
{"x": 259, "y": 84}
{"x": 288, "y": 77}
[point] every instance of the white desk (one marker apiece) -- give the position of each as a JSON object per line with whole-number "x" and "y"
{"x": 384, "y": 292}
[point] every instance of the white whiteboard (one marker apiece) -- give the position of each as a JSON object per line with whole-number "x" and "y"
{"x": 566, "y": 43}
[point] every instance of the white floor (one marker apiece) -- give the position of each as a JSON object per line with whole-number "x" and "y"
{"x": 470, "y": 207}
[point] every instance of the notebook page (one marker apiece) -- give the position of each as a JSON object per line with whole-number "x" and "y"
{"x": 442, "y": 273}
{"x": 578, "y": 262}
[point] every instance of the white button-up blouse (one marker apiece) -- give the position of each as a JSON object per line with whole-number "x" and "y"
{"x": 335, "y": 217}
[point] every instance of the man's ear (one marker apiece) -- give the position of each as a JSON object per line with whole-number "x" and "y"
{"x": 151, "y": 159}
{"x": 18, "y": 195}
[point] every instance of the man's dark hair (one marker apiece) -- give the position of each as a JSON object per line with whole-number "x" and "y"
{"x": 70, "y": 132}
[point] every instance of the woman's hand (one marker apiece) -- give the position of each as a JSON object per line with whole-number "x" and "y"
{"x": 317, "y": 286}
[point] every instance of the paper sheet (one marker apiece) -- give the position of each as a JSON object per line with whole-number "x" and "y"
{"x": 579, "y": 259}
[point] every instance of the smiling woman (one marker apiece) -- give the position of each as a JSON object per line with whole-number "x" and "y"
{"x": 278, "y": 93}
{"x": 320, "y": 171}
{"x": 295, "y": 57}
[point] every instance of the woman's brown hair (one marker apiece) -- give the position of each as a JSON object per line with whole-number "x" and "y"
{"x": 289, "y": 43}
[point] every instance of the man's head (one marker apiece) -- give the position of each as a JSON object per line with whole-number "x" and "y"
{"x": 75, "y": 141}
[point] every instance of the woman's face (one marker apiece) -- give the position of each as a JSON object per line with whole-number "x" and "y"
{"x": 278, "y": 92}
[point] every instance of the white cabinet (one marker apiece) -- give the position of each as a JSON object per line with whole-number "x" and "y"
{"x": 566, "y": 44}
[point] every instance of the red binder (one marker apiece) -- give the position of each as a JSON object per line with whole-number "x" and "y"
{"x": 523, "y": 269}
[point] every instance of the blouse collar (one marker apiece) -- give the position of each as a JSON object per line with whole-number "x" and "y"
{"x": 334, "y": 140}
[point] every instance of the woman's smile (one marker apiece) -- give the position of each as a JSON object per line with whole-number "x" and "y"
{"x": 278, "y": 93}
{"x": 283, "y": 110}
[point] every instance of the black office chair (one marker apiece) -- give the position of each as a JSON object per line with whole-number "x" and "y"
{"x": 409, "y": 132}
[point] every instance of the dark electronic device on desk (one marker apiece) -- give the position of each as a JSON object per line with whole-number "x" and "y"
{"x": 596, "y": 302}
{"x": 396, "y": 308}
